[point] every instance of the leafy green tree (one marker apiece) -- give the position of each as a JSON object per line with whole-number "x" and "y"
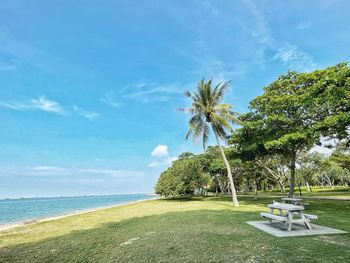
{"x": 248, "y": 142}
{"x": 283, "y": 119}
{"x": 250, "y": 176}
{"x": 218, "y": 171}
{"x": 214, "y": 165}
{"x": 328, "y": 100}
{"x": 208, "y": 111}
{"x": 332, "y": 174}
{"x": 293, "y": 113}
{"x": 341, "y": 155}
{"x": 309, "y": 167}
{"x": 181, "y": 179}
{"x": 186, "y": 155}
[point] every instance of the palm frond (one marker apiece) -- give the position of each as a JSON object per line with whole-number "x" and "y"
{"x": 220, "y": 121}
{"x": 187, "y": 110}
{"x": 220, "y": 132}
{"x": 221, "y": 91}
{"x": 205, "y": 136}
{"x": 216, "y": 88}
{"x": 206, "y": 109}
{"x": 194, "y": 122}
{"x": 199, "y": 128}
{"x": 188, "y": 94}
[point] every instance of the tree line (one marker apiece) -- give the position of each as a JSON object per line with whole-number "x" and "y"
{"x": 271, "y": 146}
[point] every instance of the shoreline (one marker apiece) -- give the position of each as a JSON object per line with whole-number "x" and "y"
{"x": 67, "y": 196}
{"x": 74, "y": 213}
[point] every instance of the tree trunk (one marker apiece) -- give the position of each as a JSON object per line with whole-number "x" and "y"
{"x": 283, "y": 190}
{"x": 221, "y": 186}
{"x": 229, "y": 174}
{"x": 256, "y": 189}
{"x": 275, "y": 176}
{"x": 308, "y": 186}
{"x": 292, "y": 175}
{"x": 228, "y": 189}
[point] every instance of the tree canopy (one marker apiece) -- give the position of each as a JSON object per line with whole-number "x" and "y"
{"x": 181, "y": 179}
{"x": 295, "y": 112}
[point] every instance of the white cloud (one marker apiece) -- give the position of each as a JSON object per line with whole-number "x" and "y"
{"x": 110, "y": 172}
{"x": 84, "y": 113}
{"x": 287, "y": 53}
{"x": 40, "y": 103}
{"x": 262, "y": 49}
{"x": 110, "y": 100}
{"x": 160, "y": 151}
{"x": 153, "y": 92}
{"x": 44, "y": 104}
{"x": 144, "y": 92}
{"x": 48, "y": 168}
{"x": 161, "y": 156}
{"x": 47, "y": 171}
{"x": 21, "y": 52}
{"x": 292, "y": 56}
{"x": 219, "y": 71}
{"x": 12, "y": 105}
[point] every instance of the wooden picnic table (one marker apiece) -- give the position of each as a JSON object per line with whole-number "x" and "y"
{"x": 286, "y": 213}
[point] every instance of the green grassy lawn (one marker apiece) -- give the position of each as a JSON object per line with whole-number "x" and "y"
{"x": 201, "y": 230}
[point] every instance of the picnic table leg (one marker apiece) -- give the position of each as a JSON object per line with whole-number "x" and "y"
{"x": 271, "y": 212}
{"x": 281, "y": 212}
{"x": 290, "y": 220}
{"x": 306, "y": 220}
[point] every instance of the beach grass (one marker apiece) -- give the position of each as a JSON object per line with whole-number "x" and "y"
{"x": 198, "y": 230}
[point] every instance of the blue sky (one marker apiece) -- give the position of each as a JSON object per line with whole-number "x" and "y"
{"x": 89, "y": 89}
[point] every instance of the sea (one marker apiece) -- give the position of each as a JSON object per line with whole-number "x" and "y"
{"x": 28, "y": 209}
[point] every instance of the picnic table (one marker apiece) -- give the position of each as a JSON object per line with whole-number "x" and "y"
{"x": 292, "y": 200}
{"x": 286, "y": 214}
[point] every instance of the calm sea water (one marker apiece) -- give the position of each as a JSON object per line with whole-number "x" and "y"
{"x": 19, "y": 210}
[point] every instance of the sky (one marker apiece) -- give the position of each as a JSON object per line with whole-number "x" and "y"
{"x": 89, "y": 90}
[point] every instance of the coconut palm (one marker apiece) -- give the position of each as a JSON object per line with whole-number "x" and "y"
{"x": 207, "y": 111}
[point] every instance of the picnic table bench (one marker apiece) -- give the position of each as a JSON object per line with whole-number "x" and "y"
{"x": 286, "y": 214}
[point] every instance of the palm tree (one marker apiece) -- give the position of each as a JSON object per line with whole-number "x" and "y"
{"x": 207, "y": 111}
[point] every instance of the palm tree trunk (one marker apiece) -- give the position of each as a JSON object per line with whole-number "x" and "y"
{"x": 229, "y": 174}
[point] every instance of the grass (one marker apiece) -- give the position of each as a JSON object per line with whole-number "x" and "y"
{"x": 336, "y": 192}
{"x": 200, "y": 230}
